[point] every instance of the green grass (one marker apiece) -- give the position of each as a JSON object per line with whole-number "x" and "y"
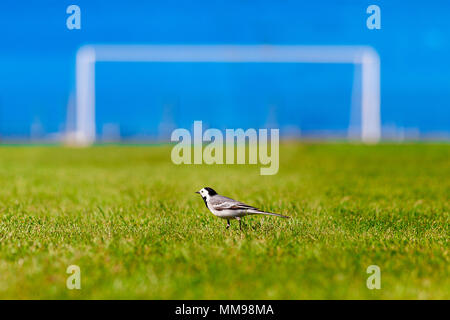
{"x": 130, "y": 219}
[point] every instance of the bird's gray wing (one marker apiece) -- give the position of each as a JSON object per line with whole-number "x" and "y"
{"x": 220, "y": 203}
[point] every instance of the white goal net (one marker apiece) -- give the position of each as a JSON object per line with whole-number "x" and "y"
{"x": 366, "y": 58}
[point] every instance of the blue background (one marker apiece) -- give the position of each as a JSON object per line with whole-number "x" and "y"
{"x": 37, "y": 65}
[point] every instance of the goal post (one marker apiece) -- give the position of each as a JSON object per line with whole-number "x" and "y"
{"x": 364, "y": 56}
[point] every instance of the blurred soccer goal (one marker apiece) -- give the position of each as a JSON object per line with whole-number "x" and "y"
{"x": 365, "y": 57}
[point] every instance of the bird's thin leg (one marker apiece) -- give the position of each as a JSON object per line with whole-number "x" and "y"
{"x": 228, "y": 223}
{"x": 240, "y": 228}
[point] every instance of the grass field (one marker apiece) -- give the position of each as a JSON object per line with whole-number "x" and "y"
{"x": 130, "y": 219}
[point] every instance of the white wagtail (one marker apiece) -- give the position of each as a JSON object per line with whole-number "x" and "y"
{"x": 227, "y": 208}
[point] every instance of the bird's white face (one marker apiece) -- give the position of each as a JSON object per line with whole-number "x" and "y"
{"x": 204, "y": 193}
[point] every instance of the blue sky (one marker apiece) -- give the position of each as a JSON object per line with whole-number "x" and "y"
{"x": 37, "y": 54}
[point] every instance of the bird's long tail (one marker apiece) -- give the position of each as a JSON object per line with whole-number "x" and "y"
{"x": 253, "y": 211}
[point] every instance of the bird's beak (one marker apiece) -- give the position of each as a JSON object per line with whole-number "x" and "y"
{"x": 197, "y": 192}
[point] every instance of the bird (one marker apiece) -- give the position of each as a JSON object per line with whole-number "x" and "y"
{"x": 227, "y": 208}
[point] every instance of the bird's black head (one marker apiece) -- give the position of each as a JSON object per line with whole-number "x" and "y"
{"x": 207, "y": 191}
{"x": 211, "y": 191}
